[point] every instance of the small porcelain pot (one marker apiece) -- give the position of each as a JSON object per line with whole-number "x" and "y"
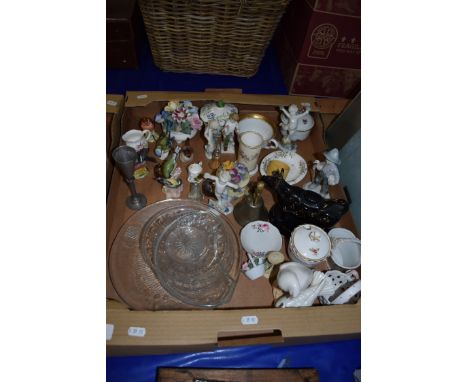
{"x": 303, "y": 129}
{"x": 260, "y": 237}
{"x": 309, "y": 245}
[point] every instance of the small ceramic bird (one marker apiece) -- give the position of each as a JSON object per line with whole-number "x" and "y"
{"x": 170, "y": 163}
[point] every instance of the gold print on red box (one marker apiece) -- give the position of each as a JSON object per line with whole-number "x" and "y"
{"x": 322, "y": 39}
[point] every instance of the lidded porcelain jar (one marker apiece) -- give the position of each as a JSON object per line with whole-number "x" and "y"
{"x": 309, "y": 245}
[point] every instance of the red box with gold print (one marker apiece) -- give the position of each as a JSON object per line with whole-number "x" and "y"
{"x": 319, "y": 47}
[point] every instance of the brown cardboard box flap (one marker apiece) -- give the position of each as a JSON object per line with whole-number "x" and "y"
{"x": 169, "y": 328}
{"x": 335, "y": 106}
{"x": 114, "y": 102}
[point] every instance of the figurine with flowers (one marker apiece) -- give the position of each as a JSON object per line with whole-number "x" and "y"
{"x": 239, "y": 175}
{"x": 180, "y": 120}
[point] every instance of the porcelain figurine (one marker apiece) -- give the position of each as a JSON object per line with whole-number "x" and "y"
{"x": 212, "y": 134}
{"x": 186, "y": 154}
{"x": 222, "y": 184}
{"x": 326, "y": 174}
{"x": 230, "y": 127}
{"x": 221, "y": 119}
{"x": 169, "y": 174}
{"x": 296, "y": 206}
{"x": 296, "y": 122}
{"x": 163, "y": 146}
{"x": 305, "y": 288}
{"x": 239, "y": 175}
{"x": 305, "y": 297}
{"x": 173, "y": 185}
{"x": 291, "y": 119}
{"x": 147, "y": 123}
{"x": 195, "y": 181}
{"x": 180, "y": 120}
{"x": 294, "y": 277}
{"x": 194, "y": 170}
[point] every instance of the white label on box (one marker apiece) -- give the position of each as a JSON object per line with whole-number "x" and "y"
{"x": 142, "y": 96}
{"x": 109, "y": 331}
{"x": 111, "y": 103}
{"x": 249, "y": 320}
{"x": 134, "y": 331}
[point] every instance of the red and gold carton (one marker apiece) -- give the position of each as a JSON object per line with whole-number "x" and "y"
{"x": 319, "y": 47}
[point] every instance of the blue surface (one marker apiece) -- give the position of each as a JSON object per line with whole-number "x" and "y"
{"x": 268, "y": 79}
{"x": 335, "y": 361}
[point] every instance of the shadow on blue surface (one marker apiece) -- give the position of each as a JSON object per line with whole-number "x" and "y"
{"x": 335, "y": 361}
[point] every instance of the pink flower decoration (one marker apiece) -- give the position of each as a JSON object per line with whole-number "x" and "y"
{"x": 266, "y": 227}
{"x": 180, "y": 115}
{"x": 196, "y": 122}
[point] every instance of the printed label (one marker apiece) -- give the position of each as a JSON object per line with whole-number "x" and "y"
{"x": 111, "y": 103}
{"x": 249, "y": 320}
{"x": 109, "y": 331}
{"x": 142, "y": 96}
{"x": 322, "y": 39}
{"x": 134, "y": 331}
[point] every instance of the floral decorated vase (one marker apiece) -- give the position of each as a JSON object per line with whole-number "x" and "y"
{"x": 180, "y": 119}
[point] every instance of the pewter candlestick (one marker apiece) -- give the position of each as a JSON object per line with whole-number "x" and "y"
{"x": 125, "y": 158}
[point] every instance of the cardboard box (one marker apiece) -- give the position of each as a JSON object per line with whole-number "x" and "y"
{"x": 152, "y": 332}
{"x": 319, "y": 47}
{"x": 114, "y": 108}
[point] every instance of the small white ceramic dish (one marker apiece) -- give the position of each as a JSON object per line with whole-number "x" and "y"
{"x": 260, "y": 237}
{"x": 297, "y": 165}
{"x": 309, "y": 245}
{"x": 257, "y": 123}
{"x": 345, "y": 249}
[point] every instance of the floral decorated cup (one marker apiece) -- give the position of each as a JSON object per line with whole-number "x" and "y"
{"x": 258, "y": 238}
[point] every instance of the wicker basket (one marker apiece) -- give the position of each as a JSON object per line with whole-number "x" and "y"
{"x": 210, "y": 36}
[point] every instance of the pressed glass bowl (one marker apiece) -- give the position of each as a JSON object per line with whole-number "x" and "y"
{"x": 194, "y": 252}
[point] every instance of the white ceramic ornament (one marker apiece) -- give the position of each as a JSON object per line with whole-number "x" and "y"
{"x": 294, "y": 277}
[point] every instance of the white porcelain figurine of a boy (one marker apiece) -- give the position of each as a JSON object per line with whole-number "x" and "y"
{"x": 326, "y": 174}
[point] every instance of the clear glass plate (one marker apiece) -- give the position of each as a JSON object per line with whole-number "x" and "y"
{"x": 194, "y": 253}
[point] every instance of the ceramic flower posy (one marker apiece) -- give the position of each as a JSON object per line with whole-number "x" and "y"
{"x": 179, "y": 116}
